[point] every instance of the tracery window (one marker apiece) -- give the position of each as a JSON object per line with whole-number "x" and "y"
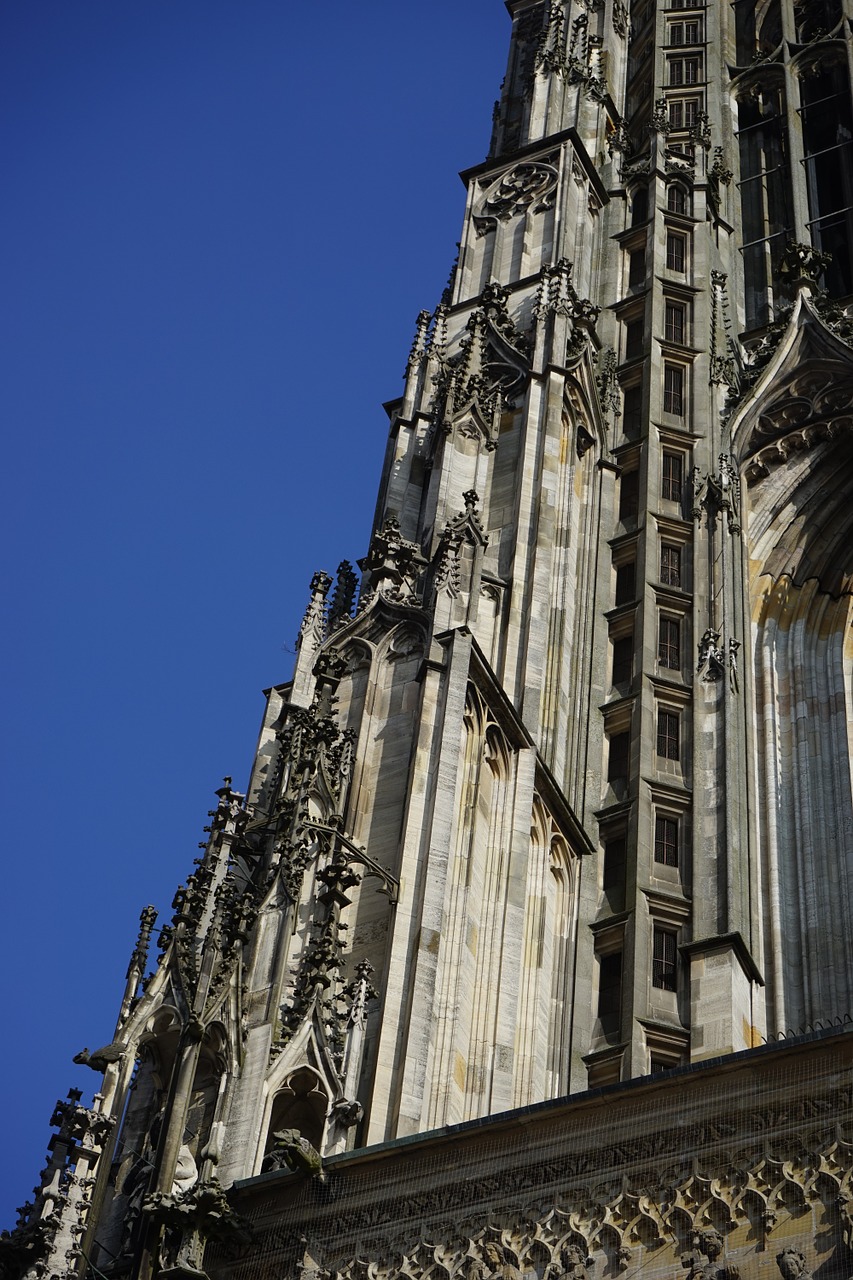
{"x": 765, "y": 195}
{"x": 828, "y": 142}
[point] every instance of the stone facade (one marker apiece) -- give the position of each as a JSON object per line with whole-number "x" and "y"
{"x": 559, "y": 795}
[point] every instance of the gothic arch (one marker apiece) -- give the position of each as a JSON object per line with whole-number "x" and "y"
{"x": 793, "y": 437}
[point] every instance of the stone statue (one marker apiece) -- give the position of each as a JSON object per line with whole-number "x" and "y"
{"x": 792, "y": 1265}
{"x": 500, "y": 1262}
{"x": 289, "y": 1150}
{"x": 570, "y": 1264}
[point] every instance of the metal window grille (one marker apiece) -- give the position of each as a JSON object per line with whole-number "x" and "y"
{"x": 669, "y": 643}
{"x": 670, "y": 566}
{"x": 673, "y": 476}
{"x": 673, "y": 389}
{"x": 676, "y": 199}
{"x": 674, "y": 249}
{"x": 664, "y": 960}
{"x": 667, "y": 743}
{"x": 674, "y": 322}
{"x": 666, "y": 841}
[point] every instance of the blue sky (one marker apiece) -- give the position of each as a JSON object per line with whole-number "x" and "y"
{"x": 221, "y": 219}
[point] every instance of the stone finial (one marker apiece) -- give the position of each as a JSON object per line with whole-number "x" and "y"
{"x": 801, "y": 265}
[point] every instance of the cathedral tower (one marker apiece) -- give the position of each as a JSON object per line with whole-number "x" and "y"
{"x": 559, "y": 794}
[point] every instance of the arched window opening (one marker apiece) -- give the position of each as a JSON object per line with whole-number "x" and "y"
{"x": 814, "y": 18}
{"x": 677, "y": 198}
{"x": 758, "y": 29}
{"x": 302, "y": 1104}
{"x": 639, "y": 206}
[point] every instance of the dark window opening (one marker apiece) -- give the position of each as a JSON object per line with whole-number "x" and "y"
{"x": 640, "y": 206}
{"x": 629, "y": 494}
{"x": 623, "y": 659}
{"x": 634, "y": 339}
{"x": 626, "y": 582}
{"x": 619, "y": 751}
{"x": 828, "y": 140}
{"x": 610, "y": 990}
{"x": 765, "y": 197}
{"x": 613, "y": 872}
{"x": 637, "y": 268}
{"x": 632, "y": 410}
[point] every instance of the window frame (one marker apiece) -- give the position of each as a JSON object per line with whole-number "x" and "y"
{"x": 666, "y": 570}
{"x": 664, "y": 958}
{"x": 667, "y": 840}
{"x": 675, "y": 322}
{"x": 668, "y": 735}
{"x": 669, "y": 643}
{"x": 674, "y": 395}
{"x": 672, "y": 476}
{"x": 676, "y": 261}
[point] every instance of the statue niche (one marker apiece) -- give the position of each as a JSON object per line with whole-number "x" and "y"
{"x": 299, "y": 1111}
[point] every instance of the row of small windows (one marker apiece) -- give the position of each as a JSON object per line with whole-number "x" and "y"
{"x": 672, "y": 484}
{"x": 664, "y": 976}
{"x": 670, "y": 574}
{"x": 667, "y": 851}
{"x": 669, "y": 651}
{"x": 675, "y": 329}
{"x": 677, "y": 201}
{"x": 667, "y": 745}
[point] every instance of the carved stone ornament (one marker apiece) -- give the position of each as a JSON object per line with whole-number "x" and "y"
{"x": 711, "y": 663}
{"x": 802, "y": 265}
{"x": 718, "y": 494}
{"x": 289, "y": 1150}
{"x": 530, "y": 186}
